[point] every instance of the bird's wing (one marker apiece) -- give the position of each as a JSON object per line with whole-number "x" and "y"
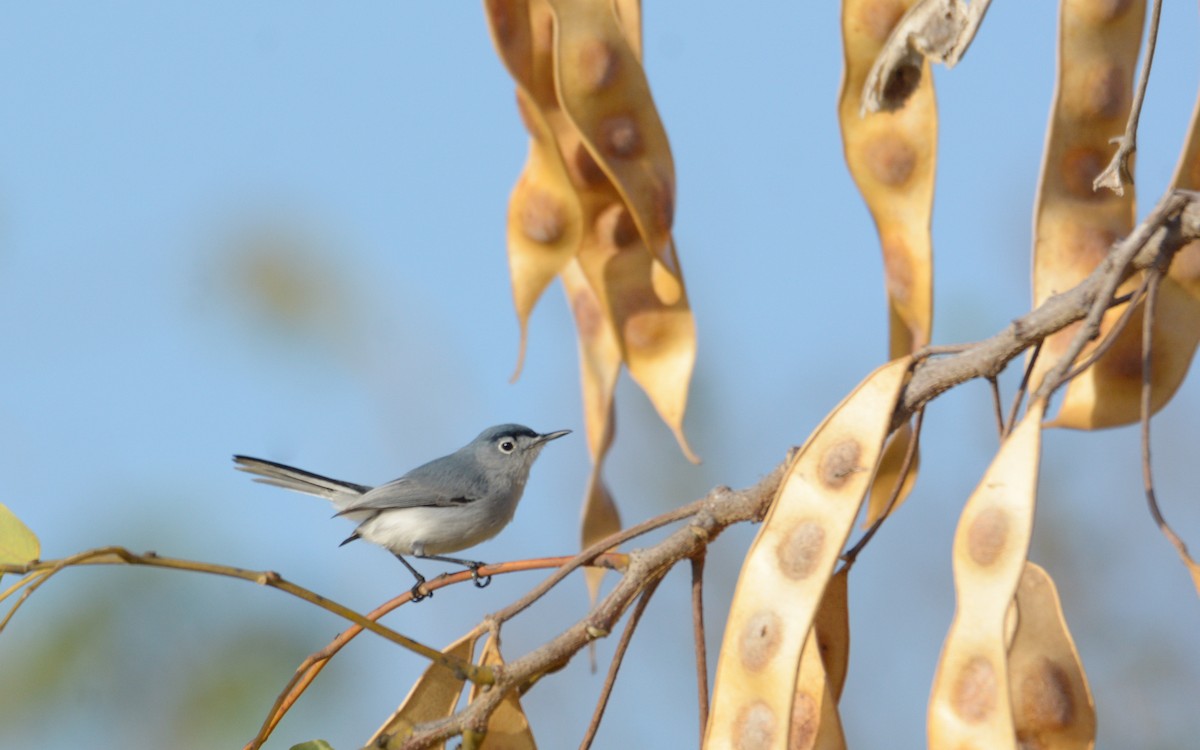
{"x": 412, "y": 491}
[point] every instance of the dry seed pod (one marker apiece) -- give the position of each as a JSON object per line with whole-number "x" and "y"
{"x": 1051, "y": 703}
{"x": 544, "y": 216}
{"x": 832, "y": 626}
{"x": 1109, "y": 393}
{"x": 545, "y": 226}
{"x": 1074, "y": 226}
{"x": 507, "y": 727}
{"x": 815, "y": 723}
{"x": 603, "y": 89}
{"x": 970, "y": 704}
{"x": 892, "y": 156}
{"x": 599, "y": 365}
{"x": 789, "y": 565}
{"x": 432, "y": 697}
{"x": 648, "y": 310}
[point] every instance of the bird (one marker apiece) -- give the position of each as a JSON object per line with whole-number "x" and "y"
{"x": 446, "y": 505}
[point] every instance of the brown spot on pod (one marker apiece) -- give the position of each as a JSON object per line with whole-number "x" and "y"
{"x": 542, "y": 217}
{"x": 839, "y": 462}
{"x": 974, "y": 694}
{"x": 891, "y": 158}
{"x": 1079, "y": 168}
{"x": 803, "y": 731}
{"x": 1104, "y": 92}
{"x": 1044, "y": 699}
{"x": 987, "y": 536}
{"x": 759, "y": 639}
{"x": 597, "y": 64}
{"x": 799, "y": 552}
{"x": 587, "y": 315}
{"x": 584, "y": 169}
{"x": 754, "y": 727}
{"x": 615, "y": 226}
{"x": 619, "y": 137}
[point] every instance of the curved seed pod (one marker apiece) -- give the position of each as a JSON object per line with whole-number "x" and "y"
{"x": 1109, "y": 393}
{"x": 1074, "y": 225}
{"x": 545, "y": 226}
{"x": 648, "y": 309}
{"x": 892, "y": 158}
{"x": 603, "y": 89}
{"x": 970, "y": 706}
{"x": 815, "y": 723}
{"x": 507, "y": 727}
{"x": 545, "y": 221}
{"x": 832, "y": 626}
{"x": 599, "y": 365}
{"x": 1051, "y": 703}
{"x": 789, "y": 564}
{"x": 433, "y": 696}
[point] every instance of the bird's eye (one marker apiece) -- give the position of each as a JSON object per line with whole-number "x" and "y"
{"x": 507, "y": 445}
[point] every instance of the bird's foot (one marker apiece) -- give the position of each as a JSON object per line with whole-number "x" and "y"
{"x": 481, "y": 582}
{"x": 417, "y": 594}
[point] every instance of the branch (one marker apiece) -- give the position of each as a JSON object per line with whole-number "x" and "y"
{"x": 711, "y": 515}
{"x": 122, "y": 556}
{"x": 1173, "y": 223}
{"x": 938, "y": 30}
{"x": 1170, "y": 226}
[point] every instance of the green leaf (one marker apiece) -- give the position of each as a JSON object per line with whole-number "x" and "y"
{"x": 18, "y": 545}
{"x": 313, "y": 745}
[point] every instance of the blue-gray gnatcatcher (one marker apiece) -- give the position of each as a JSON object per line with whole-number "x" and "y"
{"x": 448, "y": 504}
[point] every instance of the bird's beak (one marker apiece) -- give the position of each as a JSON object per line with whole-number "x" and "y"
{"x": 552, "y": 436}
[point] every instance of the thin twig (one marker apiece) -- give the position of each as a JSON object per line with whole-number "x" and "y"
{"x": 995, "y": 384}
{"x": 721, "y": 508}
{"x": 312, "y": 666}
{"x": 1147, "y": 474}
{"x": 1115, "y": 267}
{"x": 1110, "y": 338}
{"x": 122, "y": 556}
{"x": 699, "y": 637}
{"x": 910, "y": 455}
{"x": 1022, "y": 389}
{"x": 586, "y": 556}
{"x": 1117, "y": 173}
{"x": 622, "y": 645}
{"x": 1173, "y": 223}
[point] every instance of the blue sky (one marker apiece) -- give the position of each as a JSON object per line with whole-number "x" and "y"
{"x": 154, "y": 155}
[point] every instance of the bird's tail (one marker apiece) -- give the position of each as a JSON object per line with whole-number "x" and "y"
{"x": 268, "y": 472}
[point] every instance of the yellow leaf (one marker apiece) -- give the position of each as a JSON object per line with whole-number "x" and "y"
{"x": 1051, "y": 703}
{"x": 790, "y": 562}
{"x": 970, "y": 704}
{"x": 507, "y": 728}
{"x": 432, "y": 697}
{"x": 1074, "y": 225}
{"x": 18, "y": 545}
